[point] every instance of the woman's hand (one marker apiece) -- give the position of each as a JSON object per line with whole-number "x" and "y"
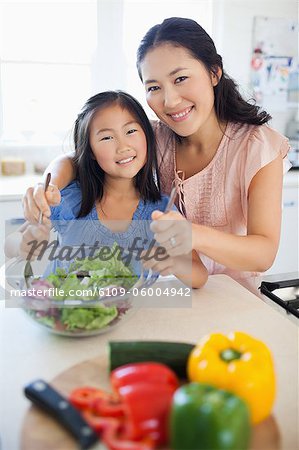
{"x": 36, "y": 200}
{"x": 173, "y": 232}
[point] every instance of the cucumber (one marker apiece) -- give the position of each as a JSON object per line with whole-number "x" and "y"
{"x": 172, "y": 354}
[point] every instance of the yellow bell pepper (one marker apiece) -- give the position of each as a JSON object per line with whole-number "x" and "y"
{"x": 238, "y": 363}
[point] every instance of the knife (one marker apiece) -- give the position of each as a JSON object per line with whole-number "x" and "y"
{"x": 47, "y": 398}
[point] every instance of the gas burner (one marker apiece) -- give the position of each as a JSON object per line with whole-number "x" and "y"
{"x": 284, "y": 293}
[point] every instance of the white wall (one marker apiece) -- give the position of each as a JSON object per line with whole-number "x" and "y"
{"x": 122, "y": 25}
{"x": 232, "y": 33}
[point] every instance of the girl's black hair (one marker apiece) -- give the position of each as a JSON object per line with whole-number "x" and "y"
{"x": 186, "y": 33}
{"x": 88, "y": 172}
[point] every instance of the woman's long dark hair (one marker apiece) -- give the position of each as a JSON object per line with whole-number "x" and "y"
{"x": 186, "y": 33}
{"x": 88, "y": 172}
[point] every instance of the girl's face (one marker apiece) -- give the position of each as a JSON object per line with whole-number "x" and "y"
{"x": 179, "y": 88}
{"x": 118, "y": 142}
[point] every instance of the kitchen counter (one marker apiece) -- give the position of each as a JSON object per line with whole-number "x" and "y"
{"x": 14, "y": 187}
{"x": 28, "y": 352}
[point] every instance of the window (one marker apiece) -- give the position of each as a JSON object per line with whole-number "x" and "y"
{"x": 45, "y": 62}
{"x": 55, "y": 54}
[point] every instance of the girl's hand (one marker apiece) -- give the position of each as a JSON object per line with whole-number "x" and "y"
{"x": 36, "y": 200}
{"x": 173, "y": 232}
{"x": 32, "y": 236}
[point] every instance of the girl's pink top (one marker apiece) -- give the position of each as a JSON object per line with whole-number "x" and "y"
{"x": 217, "y": 195}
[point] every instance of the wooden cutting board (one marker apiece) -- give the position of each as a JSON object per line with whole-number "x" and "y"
{"x": 41, "y": 432}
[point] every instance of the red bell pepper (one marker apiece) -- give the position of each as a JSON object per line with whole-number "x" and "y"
{"x": 108, "y": 407}
{"x": 146, "y": 390}
{"x": 147, "y": 410}
{"x": 136, "y": 416}
{"x": 121, "y": 444}
{"x": 145, "y": 371}
{"x": 108, "y": 426}
{"x": 109, "y": 430}
{"x": 82, "y": 397}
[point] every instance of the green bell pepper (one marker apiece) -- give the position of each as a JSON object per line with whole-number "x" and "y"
{"x": 206, "y": 418}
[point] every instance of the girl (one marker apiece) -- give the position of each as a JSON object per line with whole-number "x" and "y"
{"x": 218, "y": 149}
{"x": 115, "y": 164}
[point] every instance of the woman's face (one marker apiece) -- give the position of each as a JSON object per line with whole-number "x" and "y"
{"x": 118, "y": 142}
{"x": 179, "y": 88}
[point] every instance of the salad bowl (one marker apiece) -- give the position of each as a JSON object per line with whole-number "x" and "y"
{"x": 80, "y": 296}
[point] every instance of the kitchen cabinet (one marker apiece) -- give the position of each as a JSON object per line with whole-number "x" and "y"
{"x": 287, "y": 257}
{"x": 10, "y": 219}
{"x": 12, "y": 189}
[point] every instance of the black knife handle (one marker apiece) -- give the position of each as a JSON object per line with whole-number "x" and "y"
{"x": 47, "y": 398}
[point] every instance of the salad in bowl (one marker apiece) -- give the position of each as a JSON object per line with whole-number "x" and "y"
{"x": 85, "y": 296}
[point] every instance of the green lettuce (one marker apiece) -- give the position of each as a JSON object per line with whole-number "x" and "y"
{"x": 88, "y": 318}
{"x": 100, "y": 275}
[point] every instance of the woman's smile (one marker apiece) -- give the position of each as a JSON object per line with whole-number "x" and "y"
{"x": 181, "y": 115}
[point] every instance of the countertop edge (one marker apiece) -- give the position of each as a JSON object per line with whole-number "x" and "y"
{"x": 13, "y": 188}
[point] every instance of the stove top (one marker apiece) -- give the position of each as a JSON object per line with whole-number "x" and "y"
{"x": 284, "y": 293}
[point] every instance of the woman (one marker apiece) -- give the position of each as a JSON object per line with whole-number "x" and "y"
{"x": 226, "y": 161}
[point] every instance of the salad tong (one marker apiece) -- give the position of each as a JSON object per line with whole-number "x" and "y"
{"x": 171, "y": 199}
{"x": 46, "y": 184}
{"x": 28, "y": 272}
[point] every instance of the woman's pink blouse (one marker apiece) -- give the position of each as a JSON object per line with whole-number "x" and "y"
{"x": 217, "y": 195}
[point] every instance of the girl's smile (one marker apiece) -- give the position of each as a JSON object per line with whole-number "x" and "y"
{"x": 126, "y": 161}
